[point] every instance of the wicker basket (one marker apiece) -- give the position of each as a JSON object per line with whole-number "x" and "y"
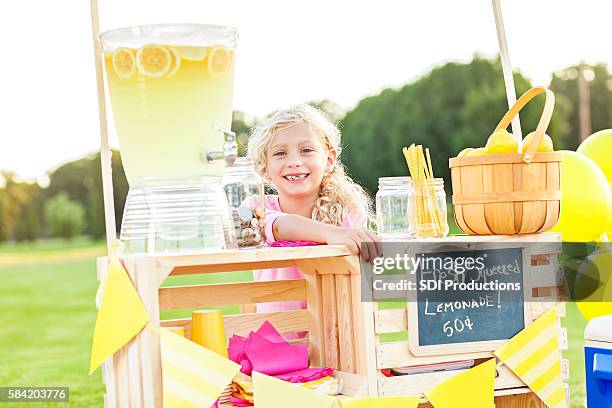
{"x": 510, "y": 193}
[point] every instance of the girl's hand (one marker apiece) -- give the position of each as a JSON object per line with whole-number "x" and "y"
{"x": 354, "y": 238}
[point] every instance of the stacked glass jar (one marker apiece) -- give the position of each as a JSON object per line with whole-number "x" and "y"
{"x": 245, "y": 194}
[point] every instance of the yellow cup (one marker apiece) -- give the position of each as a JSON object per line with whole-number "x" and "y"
{"x": 207, "y": 330}
{"x": 177, "y": 329}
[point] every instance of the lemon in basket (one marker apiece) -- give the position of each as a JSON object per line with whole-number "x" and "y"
{"x": 546, "y": 144}
{"x": 465, "y": 152}
{"x": 501, "y": 142}
{"x": 476, "y": 152}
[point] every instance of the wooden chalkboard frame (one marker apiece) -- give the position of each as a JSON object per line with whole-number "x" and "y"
{"x": 466, "y": 347}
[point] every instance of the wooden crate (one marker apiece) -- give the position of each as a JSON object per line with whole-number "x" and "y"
{"x": 331, "y": 289}
{"x": 545, "y": 285}
{"x": 343, "y": 332}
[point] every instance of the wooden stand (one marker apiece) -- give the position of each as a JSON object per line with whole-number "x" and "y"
{"x": 344, "y": 333}
{"x": 543, "y": 281}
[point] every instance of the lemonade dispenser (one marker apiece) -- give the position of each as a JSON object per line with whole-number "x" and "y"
{"x": 170, "y": 88}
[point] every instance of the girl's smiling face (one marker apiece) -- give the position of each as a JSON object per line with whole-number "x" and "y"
{"x": 297, "y": 160}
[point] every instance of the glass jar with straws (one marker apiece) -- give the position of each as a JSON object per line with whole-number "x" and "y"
{"x": 430, "y": 213}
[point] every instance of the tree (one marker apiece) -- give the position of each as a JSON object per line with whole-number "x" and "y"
{"x": 82, "y": 181}
{"x": 19, "y": 208}
{"x": 242, "y": 125}
{"x": 333, "y": 111}
{"x": 65, "y": 218}
{"x": 565, "y": 84}
{"x": 452, "y": 107}
{"x": 28, "y": 226}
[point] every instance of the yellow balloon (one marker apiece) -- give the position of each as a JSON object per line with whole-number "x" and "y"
{"x": 607, "y": 235}
{"x": 594, "y": 286}
{"x": 594, "y": 309}
{"x": 598, "y": 148}
{"x": 586, "y": 204}
{"x": 609, "y": 230}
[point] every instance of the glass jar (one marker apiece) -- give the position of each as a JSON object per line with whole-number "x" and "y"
{"x": 394, "y": 208}
{"x": 430, "y": 212}
{"x": 245, "y": 194}
{"x": 177, "y": 216}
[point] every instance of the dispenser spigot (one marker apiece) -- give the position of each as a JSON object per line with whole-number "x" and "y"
{"x": 230, "y": 148}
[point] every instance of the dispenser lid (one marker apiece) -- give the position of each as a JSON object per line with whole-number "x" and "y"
{"x": 199, "y": 35}
{"x": 599, "y": 329}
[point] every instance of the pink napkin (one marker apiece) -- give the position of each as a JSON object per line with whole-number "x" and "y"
{"x": 271, "y": 358}
{"x": 239, "y": 402}
{"x": 270, "y": 333}
{"x": 238, "y": 345}
{"x": 293, "y": 243}
{"x": 305, "y": 375}
{"x": 268, "y": 352}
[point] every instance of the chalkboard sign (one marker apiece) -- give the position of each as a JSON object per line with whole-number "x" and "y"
{"x": 466, "y": 296}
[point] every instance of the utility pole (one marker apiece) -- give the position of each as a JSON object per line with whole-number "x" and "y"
{"x": 584, "y": 103}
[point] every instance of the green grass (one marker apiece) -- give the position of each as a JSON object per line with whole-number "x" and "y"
{"x": 48, "y": 245}
{"x": 575, "y": 324}
{"x": 47, "y": 314}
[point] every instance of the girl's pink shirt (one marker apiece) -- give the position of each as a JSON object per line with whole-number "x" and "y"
{"x": 272, "y": 212}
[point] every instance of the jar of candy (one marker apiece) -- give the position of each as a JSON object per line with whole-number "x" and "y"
{"x": 394, "y": 208}
{"x": 430, "y": 213}
{"x": 245, "y": 195}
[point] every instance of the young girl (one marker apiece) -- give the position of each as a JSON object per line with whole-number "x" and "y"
{"x": 297, "y": 150}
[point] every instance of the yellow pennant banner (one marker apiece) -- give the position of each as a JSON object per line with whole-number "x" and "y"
{"x": 381, "y": 402}
{"x": 193, "y": 376}
{"x": 471, "y": 389}
{"x": 271, "y": 392}
{"x": 120, "y": 317}
{"x": 533, "y": 355}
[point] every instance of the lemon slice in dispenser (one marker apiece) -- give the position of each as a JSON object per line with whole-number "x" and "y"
{"x": 153, "y": 60}
{"x": 176, "y": 63}
{"x": 123, "y": 62}
{"x": 190, "y": 53}
{"x": 219, "y": 60}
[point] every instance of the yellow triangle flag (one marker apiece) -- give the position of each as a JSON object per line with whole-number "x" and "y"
{"x": 471, "y": 389}
{"x": 381, "y": 402}
{"x": 271, "y": 392}
{"x": 533, "y": 355}
{"x": 193, "y": 376}
{"x": 120, "y": 317}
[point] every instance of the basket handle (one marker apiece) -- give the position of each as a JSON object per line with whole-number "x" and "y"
{"x": 549, "y": 105}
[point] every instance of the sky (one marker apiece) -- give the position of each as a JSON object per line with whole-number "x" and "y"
{"x": 288, "y": 52}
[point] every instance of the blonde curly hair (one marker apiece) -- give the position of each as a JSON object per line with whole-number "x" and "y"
{"x": 339, "y": 195}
